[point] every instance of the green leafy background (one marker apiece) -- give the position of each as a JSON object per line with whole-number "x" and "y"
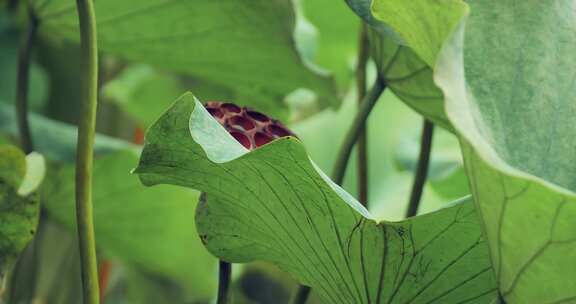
{"x": 149, "y": 228}
{"x": 505, "y": 69}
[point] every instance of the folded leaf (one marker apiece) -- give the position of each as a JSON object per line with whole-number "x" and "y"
{"x": 405, "y": 39}
{"x": 508, "y": 77}
{"x": 408, "y": 77}
{"x": 20, "y": 176}
{"x": 246, "y": 45}
{"x": 273, "y": 204}
{"x": 423, "y": 25}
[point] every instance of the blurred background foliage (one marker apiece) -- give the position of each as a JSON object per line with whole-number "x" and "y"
{"x": 293, "y": 60}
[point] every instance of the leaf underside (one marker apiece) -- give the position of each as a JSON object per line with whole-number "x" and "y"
{"x": 409, "y": 78}
{"x": 508, "y": 75}
{"x": 272, "y": 204}
{"x": 405, "y": 39}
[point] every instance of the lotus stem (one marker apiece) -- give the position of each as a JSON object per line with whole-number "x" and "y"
{"x": 422, "y": 169}
{"x": 85, "y": 150}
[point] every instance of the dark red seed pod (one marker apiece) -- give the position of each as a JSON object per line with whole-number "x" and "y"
{"x": 250, "y": 128}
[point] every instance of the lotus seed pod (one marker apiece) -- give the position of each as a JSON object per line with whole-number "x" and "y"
{"x": 250, "y": 128}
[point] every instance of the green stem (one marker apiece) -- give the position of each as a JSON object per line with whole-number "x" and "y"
{"x": 224, "y": 272}
{"x": 422, "y": 169}
{"x": 224, "y": 279}
{"x": 22, "y": 84}
{"x": 85, "y": 150}
{"x": 362, "y": 145}
{"x": 351, "y": 138}
{"x": 355, "y": 130}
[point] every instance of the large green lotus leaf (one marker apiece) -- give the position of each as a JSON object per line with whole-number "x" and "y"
{"x": 405, "y": 38}
{"x": 508, "y": 76}
{"x": 148, "y": 228}
{"x": 273, "y": 204}
{"x": 20, "y": 176}
{"x": 241, "y": 44}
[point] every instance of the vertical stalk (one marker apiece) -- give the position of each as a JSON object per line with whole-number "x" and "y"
{"x": 362, "y": 145}
{"x": 224, "y": 279}
{"x": 350, "y": 140}
{"x": 22, "y": 83}
{"x": 368, "y": 103}
{"x": 224, "y": 272}
{"x": 422, "y": 169}
{"x": 85, "y": 150}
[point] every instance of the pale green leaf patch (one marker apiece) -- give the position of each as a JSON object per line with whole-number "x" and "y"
{"x": 508, "y": 77}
